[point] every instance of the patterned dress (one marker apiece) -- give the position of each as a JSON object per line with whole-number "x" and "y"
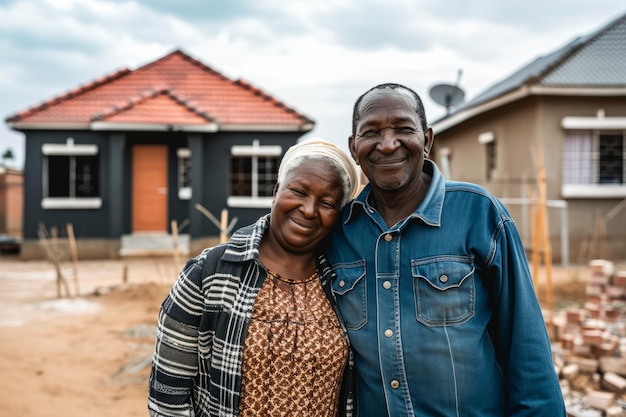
{"x": 294, "y": 353}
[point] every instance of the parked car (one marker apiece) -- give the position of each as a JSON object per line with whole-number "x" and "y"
{"x": 10, "y": 245}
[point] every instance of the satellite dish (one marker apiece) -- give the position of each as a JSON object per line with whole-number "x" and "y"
{"x": 447, "y": 95}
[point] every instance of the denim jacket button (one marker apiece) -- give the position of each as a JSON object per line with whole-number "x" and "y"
{"x": 388, "y": 332}
{"x": 395, "y": 384}
{"x": 386, "y": 285}
{"x": 388, "y": 237}
{"x": 443, "y": 278}
{"x": 342, "y": 283}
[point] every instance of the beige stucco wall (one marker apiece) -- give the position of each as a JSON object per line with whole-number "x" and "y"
{"x": 521, "y": 129}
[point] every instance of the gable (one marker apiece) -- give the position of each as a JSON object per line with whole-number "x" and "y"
{"x": 159, "y": 108}
{"x": 179, "y": 89}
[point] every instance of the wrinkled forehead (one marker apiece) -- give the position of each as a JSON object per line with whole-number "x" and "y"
{"x": 388, "y": 100}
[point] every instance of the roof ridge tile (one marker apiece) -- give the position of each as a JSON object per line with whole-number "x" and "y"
{"x": 190, "y": 105}
{"x": 126, "y": 104}
{"x": 146, "y": 95}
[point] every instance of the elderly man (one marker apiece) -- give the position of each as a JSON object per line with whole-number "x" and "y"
{"x": 433, "y": 283}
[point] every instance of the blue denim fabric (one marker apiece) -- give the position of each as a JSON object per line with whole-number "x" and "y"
{"x": 441, "y": 309}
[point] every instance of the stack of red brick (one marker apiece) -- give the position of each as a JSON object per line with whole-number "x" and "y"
{"x": 590, "y": 348}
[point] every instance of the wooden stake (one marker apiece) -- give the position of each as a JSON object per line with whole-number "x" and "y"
{"x": 542, "y": 247}
{"x": 54, "y": 256}
{"x": 536, "y": 242}
{"x": 224, "y": 226}
{"x": 175, "y": 241}
{"x": 546, "y": 244}
{"x": 74, "y": 253}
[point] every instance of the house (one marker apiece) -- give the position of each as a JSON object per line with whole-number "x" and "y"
{"x": 131, "y": 156}
{"x": 566, "y": 112}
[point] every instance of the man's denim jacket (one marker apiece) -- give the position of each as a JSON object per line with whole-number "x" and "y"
{"x": 441, "y": 310}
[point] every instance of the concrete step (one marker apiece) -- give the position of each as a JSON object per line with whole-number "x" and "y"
{"x": 153, "y": 244}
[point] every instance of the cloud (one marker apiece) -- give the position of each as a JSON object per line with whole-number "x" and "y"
{"x": 317, "y": 57}
{"x": 207, "y": 12}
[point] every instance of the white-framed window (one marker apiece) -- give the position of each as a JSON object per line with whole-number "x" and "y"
{"x": 184, "y": 173}
{"x": 594, "y": 163}
{"x": 253, "y": 171}
{"x": 70, "y": 176}
{"x": 489, "y": 140}
{"x": 491, "y": 157}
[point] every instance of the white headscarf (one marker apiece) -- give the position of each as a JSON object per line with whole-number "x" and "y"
{"x": 317, "y": 148}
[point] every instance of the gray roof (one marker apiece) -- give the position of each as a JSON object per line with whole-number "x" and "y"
{"x": 596, "y": 60}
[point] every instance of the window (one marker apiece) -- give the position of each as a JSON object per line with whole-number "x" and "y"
{"x": 70, "y": 176}
{"x": 577, "y": 158}
{"x": 252, "y": 175}
{"x": 611, "y": 166}
{"x": 489, "y": 140}
{"x": 184, "y": 173}
{"x": 490, "y": 149}
{"x": 593, "y": 164}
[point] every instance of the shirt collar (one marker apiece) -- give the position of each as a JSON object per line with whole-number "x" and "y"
{"x": 244, "y": 243}
{"x": 430, "y": 209}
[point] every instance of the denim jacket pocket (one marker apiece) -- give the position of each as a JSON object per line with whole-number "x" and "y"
{"x": 444, "y": 290}
{"x": 350, "y": 292}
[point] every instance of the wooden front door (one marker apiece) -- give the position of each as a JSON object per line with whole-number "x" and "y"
{"x": 149, "y": 188}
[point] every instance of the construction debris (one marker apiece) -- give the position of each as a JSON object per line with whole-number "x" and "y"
{"x": 589, "y": 346}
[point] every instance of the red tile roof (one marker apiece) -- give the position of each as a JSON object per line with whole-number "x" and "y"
{"x": 175, "y": 90}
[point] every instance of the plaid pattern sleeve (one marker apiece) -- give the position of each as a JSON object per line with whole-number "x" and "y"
{"x": 175, "y": 359}
{"x": 196, "y": 367}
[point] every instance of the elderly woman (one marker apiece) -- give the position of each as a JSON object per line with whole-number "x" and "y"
{"x": 249, "y": 328}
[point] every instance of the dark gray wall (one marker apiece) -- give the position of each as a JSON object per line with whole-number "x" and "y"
{"x": 213, "y": 175}
{"x": 87, "y": 223}
{"x": 210, "y": 153}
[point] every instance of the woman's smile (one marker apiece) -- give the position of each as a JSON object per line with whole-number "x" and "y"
{"x": 302, "y": 223}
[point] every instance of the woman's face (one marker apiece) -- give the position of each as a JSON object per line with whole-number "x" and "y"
{"x": 306, "y": 205}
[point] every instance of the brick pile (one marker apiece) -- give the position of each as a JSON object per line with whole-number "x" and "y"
{"x": 589, "y": 346}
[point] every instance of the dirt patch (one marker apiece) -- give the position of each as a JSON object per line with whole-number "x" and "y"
{"x": 86, "y": 355}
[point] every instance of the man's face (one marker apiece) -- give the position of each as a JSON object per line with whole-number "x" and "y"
{"x": 390, "y": 143}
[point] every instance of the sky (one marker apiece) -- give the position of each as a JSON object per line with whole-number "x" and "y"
{"x": 317, "y": 57}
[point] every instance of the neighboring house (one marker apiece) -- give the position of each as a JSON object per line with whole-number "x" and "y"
{"x": 570, "y": 106}
{"x": 11, "y": 202}
{"x": 122, "y": 157}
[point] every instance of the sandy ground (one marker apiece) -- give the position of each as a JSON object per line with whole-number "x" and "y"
{"x": 88, "y": 355}
{"x": 79, "y": 356}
